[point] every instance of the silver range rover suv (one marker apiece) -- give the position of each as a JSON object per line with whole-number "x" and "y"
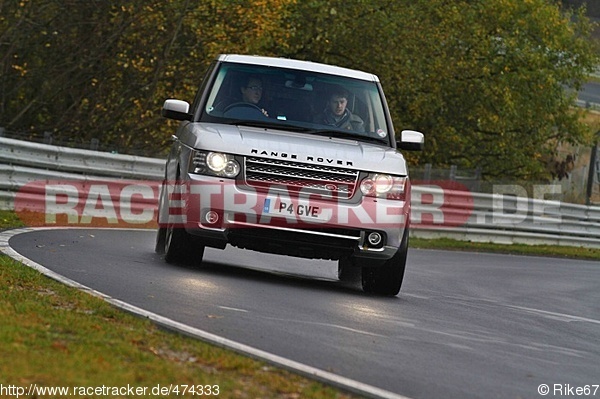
{"x": 289, "y": 157}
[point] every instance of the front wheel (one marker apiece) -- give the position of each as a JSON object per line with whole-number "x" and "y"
{"x": 161, "y": 236}
{"x": 387, "y": 278}
{"x": 176, "y": 243}
{"x": 181, "y": 247}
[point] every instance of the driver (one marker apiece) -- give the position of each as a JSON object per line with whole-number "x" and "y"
{"x": 252, "y": 91}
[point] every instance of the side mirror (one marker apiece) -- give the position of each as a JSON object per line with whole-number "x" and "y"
{"x": 176, "y": 109}
{"x": 411, "y": 140}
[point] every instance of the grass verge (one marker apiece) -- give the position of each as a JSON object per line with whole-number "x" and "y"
{"x": 514, "y": 249}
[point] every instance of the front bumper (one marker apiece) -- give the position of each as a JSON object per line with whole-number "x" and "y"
{"x": 298, "y": 224}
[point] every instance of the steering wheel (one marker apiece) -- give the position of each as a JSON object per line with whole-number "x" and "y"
{"x": 243, "y": 110}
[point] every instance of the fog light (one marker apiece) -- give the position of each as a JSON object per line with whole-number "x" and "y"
{"x": 211, "y": 217}
{"x": 374, "y": 239}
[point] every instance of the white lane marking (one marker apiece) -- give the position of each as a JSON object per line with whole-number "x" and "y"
{"x": 539, "y": 312}
{"x": 554, "y": 315}
{"x": 325, "y": 325}
{"x": 307, "y": 371}
{"x": 234, "y": 309}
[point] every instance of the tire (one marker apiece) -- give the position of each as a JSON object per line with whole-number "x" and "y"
{"x": 387, "y": 278}
{"x": 181, "y": 247}
{"x": 348, "y": 273}
{"x": 161, "y": 235}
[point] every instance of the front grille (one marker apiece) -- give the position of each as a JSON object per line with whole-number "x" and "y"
{"x": 296, "y": 176}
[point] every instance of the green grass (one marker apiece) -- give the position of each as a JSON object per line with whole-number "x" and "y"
{"x": 54, "y": 335}
{"x": 9, "y": 220}
{"x": 515, "y": 249}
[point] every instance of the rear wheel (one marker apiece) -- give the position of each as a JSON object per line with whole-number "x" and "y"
{"x": 387, "y": 278}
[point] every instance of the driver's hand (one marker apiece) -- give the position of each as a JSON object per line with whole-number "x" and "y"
{"x": 264, "y": 111}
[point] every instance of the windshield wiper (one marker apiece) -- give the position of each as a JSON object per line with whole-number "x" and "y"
{"x": 268, "y": 124}
{"x": 347, "y": 135}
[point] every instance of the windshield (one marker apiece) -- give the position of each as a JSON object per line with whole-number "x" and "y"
{"x": 302, "y": 101}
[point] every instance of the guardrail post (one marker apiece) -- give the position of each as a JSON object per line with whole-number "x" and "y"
{"x": 478, "y": 172}
{"x": 593, "y": 173}
{"x": 94, "y": 144}
{"x": 427, "y": 172}
{"x": 47, "y": 137}
{"x": 2, "y": 131}
{"x": 452, "y": 172}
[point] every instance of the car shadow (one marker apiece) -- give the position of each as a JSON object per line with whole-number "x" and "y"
{"x": 269, "y": 276}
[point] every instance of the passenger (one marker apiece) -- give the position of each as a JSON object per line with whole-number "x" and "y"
{"x": 252, "y": 90}
{"x": 336, "y": 114}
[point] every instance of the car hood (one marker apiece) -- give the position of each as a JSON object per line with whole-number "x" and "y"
{"x": 293, "y": 146}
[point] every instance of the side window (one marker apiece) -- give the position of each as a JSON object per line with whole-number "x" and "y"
{"x": 376, "y": 112}
{"x": 201, "y": 90}
{"x": 222, "y": 91}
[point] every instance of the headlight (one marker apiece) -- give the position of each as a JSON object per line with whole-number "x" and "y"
{"x": 216, "y": 161}
{"x": 215, "y": 164}
{"x": 384, "y": 186}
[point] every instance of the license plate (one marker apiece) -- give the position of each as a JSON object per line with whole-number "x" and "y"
{"x": 288, "y": 208}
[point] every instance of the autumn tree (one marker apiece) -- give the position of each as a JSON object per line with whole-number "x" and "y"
{"x": 101, "y": 69}
{"x": 490, "y": 82}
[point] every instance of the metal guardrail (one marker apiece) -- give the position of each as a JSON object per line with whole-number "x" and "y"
{"x": 508, "y": 219}
{"x": 78, "y": 161}
{"x": 460, "y": 215}
{"x": 23, "y": 162}
{"x": 587, "y": 104}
